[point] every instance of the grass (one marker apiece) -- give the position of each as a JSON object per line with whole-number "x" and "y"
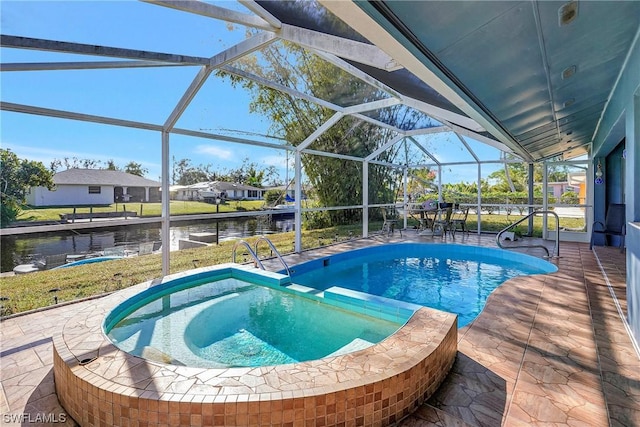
{"x": 31, "y": 291}
{"x": 177, "y": 207}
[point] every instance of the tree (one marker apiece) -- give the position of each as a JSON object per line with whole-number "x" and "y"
{"x": 336, "y": 181}
{"x": 250, "y": 173}
{"x": 17, "y": 176}
{"x": 184, "y": 173}
{"x": 135, "y": 169}
{"x": 111, "y": 165}
{"x": 421, "y": 182}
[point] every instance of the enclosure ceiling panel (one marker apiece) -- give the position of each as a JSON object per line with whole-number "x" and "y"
{"x": 312, "y": 16}
{"x": 535, "y": 76}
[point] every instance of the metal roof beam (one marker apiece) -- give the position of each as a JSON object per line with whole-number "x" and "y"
{"x": 363, "y": 53}
{"x": 218, "y": 137}
{"x": 372, "y": 106}
{"x": 261, "y": 12}
{"x": 468, "y": 147}
{"x": 427, "y": 131}
{"x": 216, "y": 12}
{"x": 94, "y": 65}
{"x": 333, "y": 155}
{"x": 319, "y": 131}
{"x": 441, "y": 114}
{"x": 377, "y": 122}
{"x": 383, "y": 148}
{"x": 424, "y": 150}
{"x": 61, "y": 114}
{"x": 281, "y": 88}
{"x": 228, "y": 55}
{"x": 355, "y": 72}
{"x": 94, "y": 50}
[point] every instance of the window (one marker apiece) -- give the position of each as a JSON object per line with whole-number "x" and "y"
{"x": 252, "y": 193}
{"x": 94, "y": 189}
{"x": 550, "y": 191}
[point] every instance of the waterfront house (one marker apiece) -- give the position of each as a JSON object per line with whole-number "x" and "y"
{"x": 210, "y": 190}
{"x": 94, "y": 187}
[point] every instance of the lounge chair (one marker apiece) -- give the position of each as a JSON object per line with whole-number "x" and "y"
{"x": 614, "y": 225}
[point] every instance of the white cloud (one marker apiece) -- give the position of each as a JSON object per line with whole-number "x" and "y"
{"x": 214, "y": 151}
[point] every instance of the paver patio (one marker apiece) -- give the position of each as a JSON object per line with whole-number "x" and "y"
{"x": 546, "y": 350}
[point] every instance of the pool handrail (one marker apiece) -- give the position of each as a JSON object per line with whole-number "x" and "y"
{"x": 256, "y": 260}
{"x": 273, "y": 250}
{"x": 556, "y": 249}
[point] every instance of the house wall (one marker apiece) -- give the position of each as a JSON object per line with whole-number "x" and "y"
{"x": 69, "y": 195}
{"x": 621, "y": 120}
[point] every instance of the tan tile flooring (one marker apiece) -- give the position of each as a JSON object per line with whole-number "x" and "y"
{"x": 547, "y": 350}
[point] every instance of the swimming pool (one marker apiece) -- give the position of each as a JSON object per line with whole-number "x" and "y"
{"x": 395, "y": 375}
{"x": 220, "y": 321}
{"x": 448, "y": 277}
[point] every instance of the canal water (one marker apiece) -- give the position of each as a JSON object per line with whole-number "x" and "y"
{"x": 25, "y": 248}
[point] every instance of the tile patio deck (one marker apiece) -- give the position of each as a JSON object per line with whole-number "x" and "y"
{"x": 547, "y": 350}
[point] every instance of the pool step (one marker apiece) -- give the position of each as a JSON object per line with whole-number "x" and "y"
{"x": 355, "y": 345}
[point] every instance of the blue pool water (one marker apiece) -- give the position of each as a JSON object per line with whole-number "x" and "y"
{"x": 449, "y": 277}
{"x": 225, "y": 322}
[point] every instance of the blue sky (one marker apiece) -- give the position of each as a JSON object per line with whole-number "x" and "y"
{"x": 146, "y": 95}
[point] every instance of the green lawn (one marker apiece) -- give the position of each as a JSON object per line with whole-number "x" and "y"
{"x": 177, "y": 207}
{"x": 31, "y": 291}
{"x": 26, "y": 292}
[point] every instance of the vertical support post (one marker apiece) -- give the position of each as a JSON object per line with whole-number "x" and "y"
{"x": 365, "y": 199}
{"x": 530, "y": 200}
{"x": 545, "y": 200}
{"x": 297, "y": 245}
{"x": 405, "y": 201}
{"x": 165, "y": 233}
{"x": 440, "y": 199}
{"x": 479, "y": 198}
{"x": 217, "y": 221}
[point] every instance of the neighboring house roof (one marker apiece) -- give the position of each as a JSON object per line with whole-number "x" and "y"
{"x": 102, "y": 177}
{"x": 215, "y": 185}
{"x": 222, "y": 186}
{"x": 226, "y": 186}
{"x": 199, "y": 186}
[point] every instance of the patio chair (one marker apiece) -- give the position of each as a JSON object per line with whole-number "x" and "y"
{"x": 442, "y": 222}
{"x": 389, "y": 221}
{"x": 614, "y": 225}
{"x": 459, "y": 220}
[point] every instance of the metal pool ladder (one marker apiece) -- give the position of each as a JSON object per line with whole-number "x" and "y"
{"x": 254, "y": 252}
{"x": 556, "y": 249}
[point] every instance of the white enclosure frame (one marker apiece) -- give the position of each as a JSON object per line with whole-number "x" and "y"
{"x": 269, "y": 29}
